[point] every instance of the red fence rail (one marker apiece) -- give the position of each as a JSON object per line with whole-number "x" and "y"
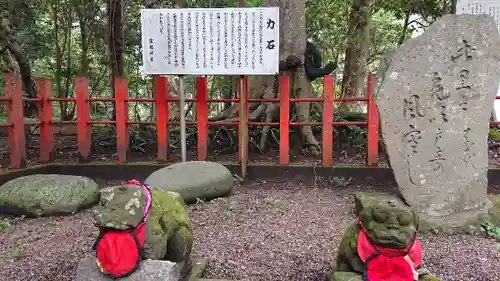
{"x": 16, "y": 123}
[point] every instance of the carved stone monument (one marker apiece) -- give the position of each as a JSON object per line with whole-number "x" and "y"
{"x": 435, "y": 104}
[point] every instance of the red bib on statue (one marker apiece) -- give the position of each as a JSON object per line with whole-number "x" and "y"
{"x": 383, "y": 264}
{"x": 118, "y": 252}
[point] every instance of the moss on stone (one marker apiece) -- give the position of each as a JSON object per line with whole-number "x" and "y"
{"x": 168, "y": 216}
{"x": 171, "y": 204}
{"x": 345, "y": 276}
{"x": 121, "y": 206}
{"x": 48, "y": 194}
{"x": 494, "y": 212}
{"x": 429, "y": 277}
{"x": 198, "y": 268}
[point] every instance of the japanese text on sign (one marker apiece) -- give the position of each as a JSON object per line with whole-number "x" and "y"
{"x": 229, "y": 41}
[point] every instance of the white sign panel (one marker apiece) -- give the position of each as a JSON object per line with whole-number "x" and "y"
{"x": 478, "y": 7}
{"x": 228, "y": 41}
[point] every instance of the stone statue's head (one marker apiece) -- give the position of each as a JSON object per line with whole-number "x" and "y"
{"x": 388, "y": 221}
{"x": 120, "y": 207}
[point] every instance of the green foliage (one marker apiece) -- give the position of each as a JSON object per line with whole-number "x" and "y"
{"x": 385, "y": 34}
{"x": 4, "y": 225}
{"x": 17, "y": 252}
{"x": 495, "y": 133}
{"x": 491, "y": 230}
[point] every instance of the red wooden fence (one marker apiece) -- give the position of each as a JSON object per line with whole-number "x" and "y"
{"x": 16, "y": 123}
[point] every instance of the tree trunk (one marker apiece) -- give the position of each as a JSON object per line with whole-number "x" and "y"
{"x": 292, "y": 43}
{"x": 81, "y": 9}
{"x": 356, "y": 54}
{"x": 453, "y": 7}
{"x": 402, "y": 38}
{"x": 115, "y": 23}
{"x": 293, "y": 38}
{"x": 11, "y": 45}
{"x": 69, "y": 112}
{"x": 59, "y": 54}
{"x": 6, "y": 60}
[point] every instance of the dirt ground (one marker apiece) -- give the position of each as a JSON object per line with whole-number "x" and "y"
{"x": 273, "y": 231}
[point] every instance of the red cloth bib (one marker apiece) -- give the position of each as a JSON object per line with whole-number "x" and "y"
{"x": 383, "y": 264}
{"x": 118, "y": 252}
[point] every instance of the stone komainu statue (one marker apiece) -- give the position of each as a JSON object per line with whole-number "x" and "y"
{"x": 168, "y": 231}
{"x": 382, "y": 244}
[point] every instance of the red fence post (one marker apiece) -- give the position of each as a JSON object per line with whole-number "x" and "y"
{"x": 202, "y": 116}
{"x": 373, "y": 123}
{"x": 45, "y": 118}
{"x": 161, "y": 96}
{"x": 121, "y": 95}
{"x": 328, "y": 94}
{"x": 83, "y": 112}
{"x": 284, "y": 119}
{"x": 15, "y": 108}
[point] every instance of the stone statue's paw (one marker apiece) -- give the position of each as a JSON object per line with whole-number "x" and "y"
{"x": 179, "y": 245}
{"x": 345, "y": 276}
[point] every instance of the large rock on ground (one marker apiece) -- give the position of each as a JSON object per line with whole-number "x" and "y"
{"x": 194, "y": 180}
{"x": 435, "y": 104}
{"x": 47, "y": 194}
{"x": 149, "y": 270}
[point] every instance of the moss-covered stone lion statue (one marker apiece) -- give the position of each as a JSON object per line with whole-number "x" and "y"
{"x": 168, "y": 229}
{"x": 382, "y": 244}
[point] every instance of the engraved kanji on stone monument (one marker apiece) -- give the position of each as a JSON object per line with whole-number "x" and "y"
{"x": 435, "y": 103}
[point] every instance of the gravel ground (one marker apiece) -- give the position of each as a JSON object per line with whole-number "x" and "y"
{"x": 266, "y": 231}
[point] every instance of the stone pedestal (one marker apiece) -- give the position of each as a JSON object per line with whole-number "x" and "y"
{"x": 149, "y": 270}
